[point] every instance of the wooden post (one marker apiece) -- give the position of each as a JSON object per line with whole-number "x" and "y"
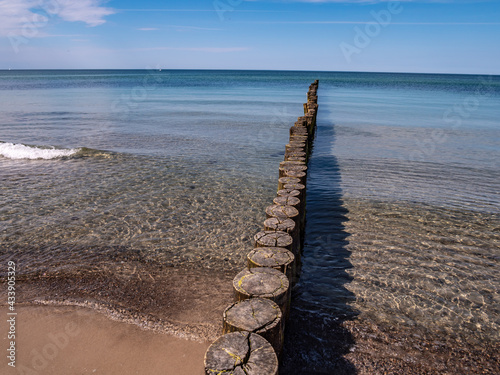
{"x": 301, "y": 175}
{"x": 287, "y": 180}
{"x": 263, "y": 282}
{"x": 278, "y": 258}
{"x": 288, "y": 201}
{"x": 302, "y": 196}
{"x": 285, "y": 164}
{"x": 241, "y": 353}
{"x": 299, "y": 138}
{"x": 299, "y": 130}
{"x": 288, "y": 193}
{"x": 269, "y": 238}
{"x": 256, "y": 315}
{"x": 285, "y": 224}
{"x": 296, "y": 144}
{"x": 295, "y": 149}
{"x": 293, "y": 155}
{"x": 296, "y": 158}
{"x": 284, "y": 212}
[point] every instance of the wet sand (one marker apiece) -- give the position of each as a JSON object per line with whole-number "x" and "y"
{"x": 62, "y": 340}
{"x": 158, "y": 320}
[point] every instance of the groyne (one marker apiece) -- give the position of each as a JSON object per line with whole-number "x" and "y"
{"x": 254, "y": 325}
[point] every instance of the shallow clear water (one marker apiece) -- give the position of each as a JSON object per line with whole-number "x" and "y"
{"x": 403, "y": 228}
{"x": 176, "y": 168}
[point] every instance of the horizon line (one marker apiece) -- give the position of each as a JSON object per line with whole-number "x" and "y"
{"x": 254, "y": 70}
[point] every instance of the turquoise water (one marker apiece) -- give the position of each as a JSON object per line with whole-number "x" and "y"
{"x": 176, "y": 167}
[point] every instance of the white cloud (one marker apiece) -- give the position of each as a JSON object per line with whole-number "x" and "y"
{"x": 27, "y": 16}
{"x": 14, "y": 15}
{"x": 88, "y": 11}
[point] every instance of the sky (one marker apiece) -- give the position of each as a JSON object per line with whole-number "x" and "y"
{"x": 318, "y": 35}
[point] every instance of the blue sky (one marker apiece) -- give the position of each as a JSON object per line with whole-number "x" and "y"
{"x": 385, "y": 36}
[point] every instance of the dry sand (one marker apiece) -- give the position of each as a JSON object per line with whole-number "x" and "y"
{"x": 67, "y": 340}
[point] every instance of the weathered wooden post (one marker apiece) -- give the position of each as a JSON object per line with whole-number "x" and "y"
{"x": 256, "y": 315}
{"x": 278, "y": 258}
{"x": 282, "y": 181}
{"x": 241, "y": 353}
{"x": 285, "y": 224}
{"x": 284, "y": 212}
{"x": 269, "y": 238}
{"x": 263, "y": 282}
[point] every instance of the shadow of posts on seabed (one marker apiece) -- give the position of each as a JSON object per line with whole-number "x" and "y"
{"x": 315, "y": 340}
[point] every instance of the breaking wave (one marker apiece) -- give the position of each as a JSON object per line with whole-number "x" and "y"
{"x": 21, "y": 151}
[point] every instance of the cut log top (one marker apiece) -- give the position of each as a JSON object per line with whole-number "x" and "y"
{"x": 289, "y": 180}
{"x": 281, "y": 224}
{"x": 262, "y": 282}
{"x": 287, "y": 201}
{"x": 285, "y": 164}
{"x": 301, "y": 167}
{"x": 273, "y": 239}
{"x": 298, "y": 138}
{"x": 295, "y": 149}
{"x": 296, "y": 158}
{"x": 288, "y": 193}
{"x": 241, "y": 353}
{"x": 295, "y": 173}
{"x": 276, "y": 210}
{"x": 295, "y": 144}
{"x": 294, "y": 186}
{"x": 278, "y": 258}
{"x": 282, "y": 181}
{"x": 295, "y": 152}
{"x": 294, "y": 155}
{"x": 255, "y": 315}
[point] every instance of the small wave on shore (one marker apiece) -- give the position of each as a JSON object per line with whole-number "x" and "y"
{"x": 19, "y": 151}
{"x": 22, "y": 151}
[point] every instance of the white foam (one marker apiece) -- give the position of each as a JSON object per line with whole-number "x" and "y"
{"x": 20, "y": 151}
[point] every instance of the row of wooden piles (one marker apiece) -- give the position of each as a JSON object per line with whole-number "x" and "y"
{"x": 254, "y": 325}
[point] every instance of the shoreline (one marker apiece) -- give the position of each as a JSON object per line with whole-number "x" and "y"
{"x": 61, "y": 340}
{"x": 100, "y": 344}
{"x": 184, "y": 309}
{"x": 179, "y": 302}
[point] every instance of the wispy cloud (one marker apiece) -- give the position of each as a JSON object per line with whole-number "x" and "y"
{"x": 66, "y": 35}
{"x": 17, "y": 16}
{"x": 181, "y": 28}
{"x": 194, "y": 28}
{"x": 89, "y": 11}
{"x": 197, "y": 49}
{"x": 364, "y": 22}
{"x": 13, "y": 15}
{"x": 202, "y": 10}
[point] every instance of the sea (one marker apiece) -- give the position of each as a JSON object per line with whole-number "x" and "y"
{"x": 105, "y": 169}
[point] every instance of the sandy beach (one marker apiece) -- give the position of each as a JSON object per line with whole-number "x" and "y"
{"x": 62, "y": 340}
{"x": 164, "y": 326}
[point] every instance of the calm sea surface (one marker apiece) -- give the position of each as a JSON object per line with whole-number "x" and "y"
{"x": 176, "y": 167}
